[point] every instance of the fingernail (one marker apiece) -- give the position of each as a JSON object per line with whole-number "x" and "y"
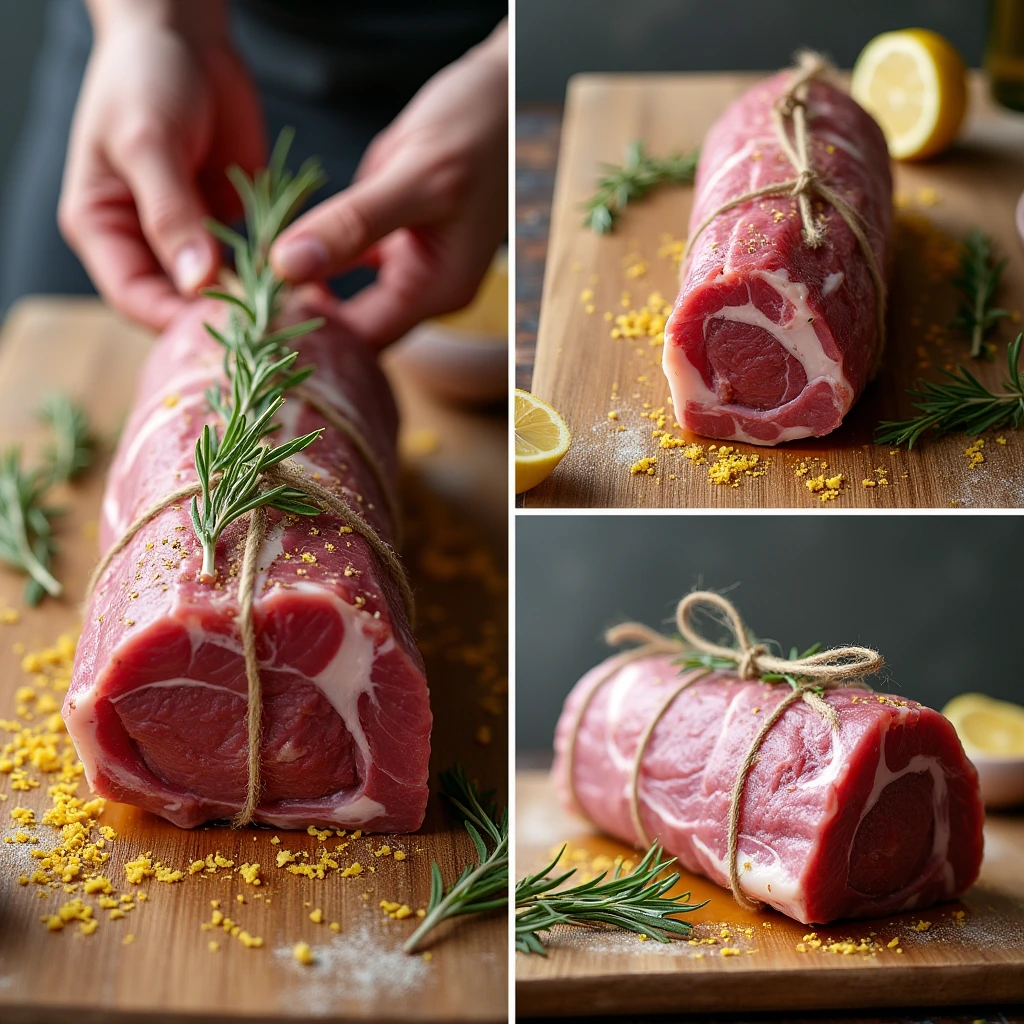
{"x": 301, "y": 258}
{"x": 190, "y": 267}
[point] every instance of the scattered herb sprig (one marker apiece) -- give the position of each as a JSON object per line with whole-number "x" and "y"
{"x": 960, "y": 403}
{"x": 636, "y": 902}
{"x": 26, "y": 530}
{"x": 481, "y": 886}
{"x": 72, "y": 445}
{"x": 641, "y": 172}
{"x": 977, "y": 280}
{"x": 258, "y": 363}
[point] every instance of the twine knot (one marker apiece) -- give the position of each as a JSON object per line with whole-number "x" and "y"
{"x": 805, "y": 182}
{"x": 823, "y": 669}
{"x": 747, "y": 666}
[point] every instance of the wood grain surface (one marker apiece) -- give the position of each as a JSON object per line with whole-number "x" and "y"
{"x": 577, "y": 364}
{"x": 455, "y": 490}
{"x": 980, "y": 960}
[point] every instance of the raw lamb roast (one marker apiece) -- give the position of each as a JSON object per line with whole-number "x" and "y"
{"x": 772, "y": 340}
{"x": 880, "y": 817}
{"x": 158, "y": 698}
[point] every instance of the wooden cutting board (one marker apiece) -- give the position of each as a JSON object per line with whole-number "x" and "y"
{"x": 455, "y": 486}
{"x": 586, "y": 374}
{"x": 978, "y": 958}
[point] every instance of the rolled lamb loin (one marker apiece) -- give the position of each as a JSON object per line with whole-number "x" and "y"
{"x": 157, "y": 705}
{"x": 878, "y": 816}
{"x": 773, "y": 336}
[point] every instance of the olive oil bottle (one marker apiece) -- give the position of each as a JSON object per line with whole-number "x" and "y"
{"x": 1004, "y": 54}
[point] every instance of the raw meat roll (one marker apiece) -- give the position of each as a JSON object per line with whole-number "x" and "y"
{"x": 158, "y": 699}
{"x": 878, "y": 817}
{"x": 772, "y": 339}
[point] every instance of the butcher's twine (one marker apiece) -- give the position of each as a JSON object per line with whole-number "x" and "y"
{"x": 359, "y": 442}
{"x": 815, "y": 673}
{"x": 290, "y": 473}
{"x": 790, "y": 108}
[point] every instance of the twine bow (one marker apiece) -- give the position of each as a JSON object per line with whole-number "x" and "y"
{"x": 789, "y": 118}
{"x": 808, "y": 677}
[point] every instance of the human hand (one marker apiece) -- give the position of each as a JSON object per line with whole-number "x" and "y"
{"x": 164, "y": 109}
{"x": 428, "y": 207}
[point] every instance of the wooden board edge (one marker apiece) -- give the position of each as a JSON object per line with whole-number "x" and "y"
{"x": 919, "y": 985}
{"x": 34, "y": 1014}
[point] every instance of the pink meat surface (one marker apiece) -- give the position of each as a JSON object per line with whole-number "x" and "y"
{"x": 769, "y": 339}
{"x": 157, "y": 702}
{"x": 880, "y": 817}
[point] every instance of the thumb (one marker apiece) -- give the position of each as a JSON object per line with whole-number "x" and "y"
{"x": 171, "y": 212}
{"x": 330, "y": 237}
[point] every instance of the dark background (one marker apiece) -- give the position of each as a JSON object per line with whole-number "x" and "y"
{"x": 557, "y": 38}
{"x": 939, "y": 596}
{"x": 21, "y": 34}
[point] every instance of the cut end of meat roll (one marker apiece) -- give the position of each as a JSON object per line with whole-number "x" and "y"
{"x": 880, "y": 816}
{"x": 771, "y": 339}
{"x": 158, "y": 701}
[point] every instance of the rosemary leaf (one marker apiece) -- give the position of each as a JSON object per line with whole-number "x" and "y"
{"x": 26, "y": 520}
{"x": 641, "y": 172}
{"x": 70, "y": 451}
{"x": 977, "y": 281}
{"x": 636, "y": 902}
{"x": 961, "y": 403}
{"x": 26, "y": 539}
{"x": 258, "y": 363}
{"x": 482, "y": 886}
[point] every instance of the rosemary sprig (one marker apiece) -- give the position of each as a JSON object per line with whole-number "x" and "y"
{"x": 26, "y": 538}
{"x": 26, "y": 533}
{"x": 258, "y": 363}
{"x": 977, "y": 280}
{"x": 481, "y": 886}
{"x": 619, "y": 186}
{"x": 635, "y": 902}
{"x": 963, "y": 404}
{"x": 71, "y": 449}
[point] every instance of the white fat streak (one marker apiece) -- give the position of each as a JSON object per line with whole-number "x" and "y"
{"x": 166, "y": 684}
{"x": 288, "y": 417}
{"x": 356, "y": 812}
{"x": 768, "y": 881}
{"x": 163, "y": 415}
{"x": 618, "y": 697}
{"x": 797, "y": 337}
{"x": 334, "y": 397}
{"x": 832, "y": 282}
{"x": 81, "y": 721}
{"x": 919, "y": 763}
{"x": 748, "y": 148}
{"x": 840, "y": 142}
{"x": 343, "y": 681}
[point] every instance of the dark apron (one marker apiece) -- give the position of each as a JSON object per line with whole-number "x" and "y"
{"x": 337, "y": 71}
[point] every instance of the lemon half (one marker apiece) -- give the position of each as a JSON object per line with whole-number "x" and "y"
{"x": 986, "y": 725}
{"x": 914, "y": 83}
{"x": 542, "y": 438}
